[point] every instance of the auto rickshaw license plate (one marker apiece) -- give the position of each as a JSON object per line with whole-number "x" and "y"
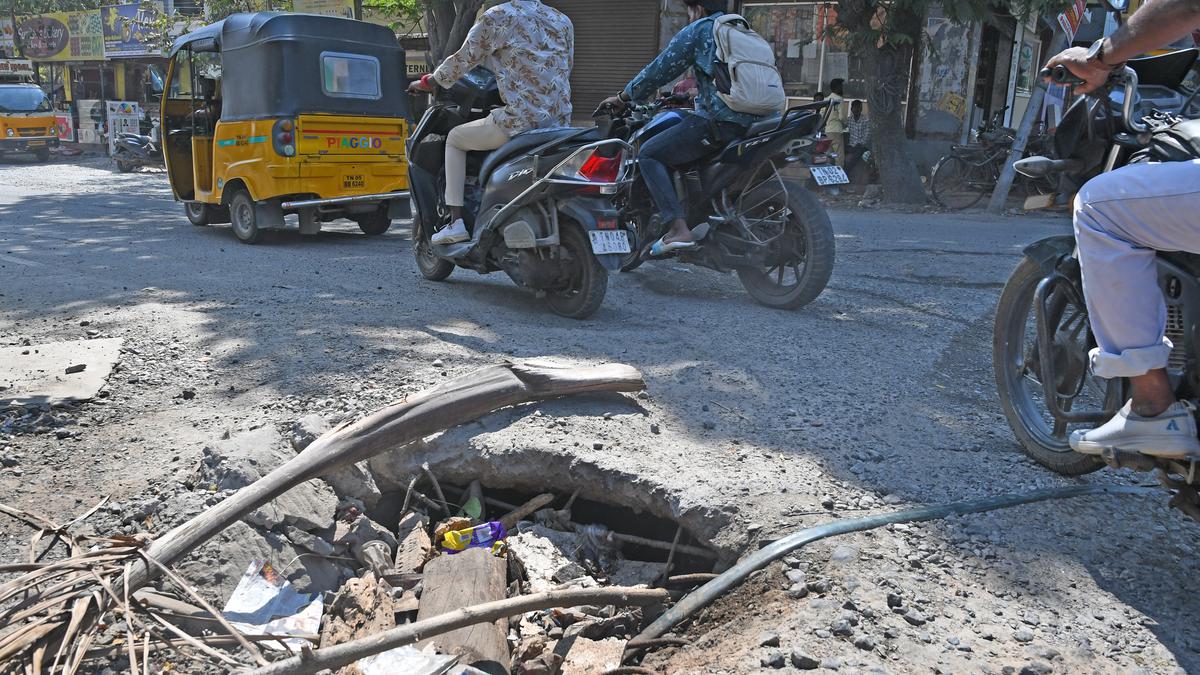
{"x": 35, "y": 144}
{"x": 354, "y": 181}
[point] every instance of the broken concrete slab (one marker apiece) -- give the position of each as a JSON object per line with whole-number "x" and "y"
{"x": 545, "y": 554}
{"x": 593, "y": 657}
{"x": 216, "y": 567}
{"x": 352, "y": 481}
{"x": 635, "y": 573}
{"x": 415, "y": 547}
{"x": 246, "y": 457}
{"x": 50, "y": 374}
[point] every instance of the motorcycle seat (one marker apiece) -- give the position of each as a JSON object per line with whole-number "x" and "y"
{"x": 528, "y": 140}
{"x": 763, "y": 126}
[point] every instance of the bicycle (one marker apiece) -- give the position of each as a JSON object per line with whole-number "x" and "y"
{"x": 970, "y": 172}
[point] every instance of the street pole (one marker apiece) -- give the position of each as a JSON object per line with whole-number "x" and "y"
{"x": 1037, "y": 96}
{"x": 12, "y": 13}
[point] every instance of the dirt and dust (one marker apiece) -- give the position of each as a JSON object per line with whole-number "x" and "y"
{"x": 755, "y": 422}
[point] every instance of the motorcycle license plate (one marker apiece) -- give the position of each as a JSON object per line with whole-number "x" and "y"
{"x": 829, "y": 175}
{"x": 609, "y": 241}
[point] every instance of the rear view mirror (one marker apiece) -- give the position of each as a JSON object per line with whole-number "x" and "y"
{"x": 1116, "y": 5}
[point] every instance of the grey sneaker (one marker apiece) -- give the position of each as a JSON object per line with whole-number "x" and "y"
{"x": 1171, "y": 435}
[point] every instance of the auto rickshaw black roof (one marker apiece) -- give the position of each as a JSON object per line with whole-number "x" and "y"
{"x": 272, "y": 66}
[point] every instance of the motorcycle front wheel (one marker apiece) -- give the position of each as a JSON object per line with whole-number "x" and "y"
{"x": 1016, "y": 361}
{"x": 800, "y": 259}
{"x": 587, "y": 280}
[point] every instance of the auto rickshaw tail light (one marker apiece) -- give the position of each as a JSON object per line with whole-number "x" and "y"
{"x": 282, "y": 138}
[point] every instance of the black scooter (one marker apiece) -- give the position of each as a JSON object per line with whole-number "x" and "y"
{"x": 133, "y": 150}
{"x": 537, "y": 207}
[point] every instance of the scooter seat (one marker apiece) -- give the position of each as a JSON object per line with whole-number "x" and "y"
{"x": 528, "y": 140}
{"x": 763, "y": 126}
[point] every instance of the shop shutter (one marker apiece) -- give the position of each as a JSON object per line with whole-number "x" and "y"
{"x": 614, "y": 39}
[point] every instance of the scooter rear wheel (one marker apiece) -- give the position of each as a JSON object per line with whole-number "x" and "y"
{"x": 588, "y": 280}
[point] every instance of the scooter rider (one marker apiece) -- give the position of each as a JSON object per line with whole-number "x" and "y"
{"x": 689, "y": 140}
{"x": 1121, "y": 219}
{"x": 529, "y": 47}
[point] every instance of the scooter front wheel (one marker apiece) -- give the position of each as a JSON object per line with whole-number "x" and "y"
{"x": 432, "y": 267}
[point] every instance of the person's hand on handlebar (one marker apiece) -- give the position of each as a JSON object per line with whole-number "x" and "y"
{"x": 425, "y": 85}
{"x": 1093, "y": 73}
{"x": 614, "y": 103}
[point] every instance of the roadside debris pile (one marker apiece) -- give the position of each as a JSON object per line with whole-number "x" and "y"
{"x": 506, "y": 581}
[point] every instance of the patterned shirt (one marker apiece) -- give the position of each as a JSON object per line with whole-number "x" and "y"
{"x": 860, "y": 131}
{"x": 529, "y": 47}
{"x": 693, "y": 47}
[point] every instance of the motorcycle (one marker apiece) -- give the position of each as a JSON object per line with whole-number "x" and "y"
{"x": 537, "y": 207}
{"x": 1042, "y": 336}
{"x": 131, "y": 151}
{"x": 771, "y": 231}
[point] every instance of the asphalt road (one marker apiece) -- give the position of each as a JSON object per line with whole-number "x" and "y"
{"x": 877, "y": 395}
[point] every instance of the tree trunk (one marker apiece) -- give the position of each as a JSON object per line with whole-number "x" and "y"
{"x": 887, "y": 80}
{"x": 448, "y": 22}
{"x": 877, "y": 37}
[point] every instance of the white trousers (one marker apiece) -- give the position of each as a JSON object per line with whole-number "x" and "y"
{"x": 1121, "y": 219}
{"x": 482, "y": 134}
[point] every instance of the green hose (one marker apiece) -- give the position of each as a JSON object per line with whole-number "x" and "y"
{"x": 706, "y": 594}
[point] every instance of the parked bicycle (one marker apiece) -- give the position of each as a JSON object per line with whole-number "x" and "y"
{"x": 970, "y": 172}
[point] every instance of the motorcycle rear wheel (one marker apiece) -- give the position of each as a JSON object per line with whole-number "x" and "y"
{"x": 589, "y": 281}
{"x": 1014, "y": 359}
{"x": 805, "y": 249}
{"x": 125, "y": 167}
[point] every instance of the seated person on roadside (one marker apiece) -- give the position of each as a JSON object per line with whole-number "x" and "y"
{"x": 858, "y": 128}
{"x": 692, "y": 138}
{"x": 529, "y": 47}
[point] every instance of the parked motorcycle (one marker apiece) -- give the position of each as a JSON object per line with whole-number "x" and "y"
{"x": 769, "y": 230}
{"x": 537, "y": 207}
{"x": 131, "y": 151}
{"x": 1042, "y": 335}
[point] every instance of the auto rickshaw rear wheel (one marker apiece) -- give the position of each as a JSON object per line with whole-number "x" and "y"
{"x": 374, "y": 223}
{"x": 42, "y": 154}
{"x": 243, "y": 218}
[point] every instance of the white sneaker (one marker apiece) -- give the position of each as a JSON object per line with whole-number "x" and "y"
{"x": 1171, "y": 435}
{"x": 452, "y": 234}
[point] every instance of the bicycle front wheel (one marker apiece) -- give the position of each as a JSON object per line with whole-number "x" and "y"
{"x": 957, "y": 184}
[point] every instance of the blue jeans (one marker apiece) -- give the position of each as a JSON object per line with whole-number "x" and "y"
{"x": 686, "y": 142}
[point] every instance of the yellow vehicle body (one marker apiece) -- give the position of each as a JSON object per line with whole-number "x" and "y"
{"x": 336, "y": 156}
{"x": 268, "y": 115}
{"x": 33, "y": 132}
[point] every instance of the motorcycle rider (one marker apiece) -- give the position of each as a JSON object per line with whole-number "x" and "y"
{"x": 693, "y": 137}
{"x": 1121, "y": 219}
{"x": 529, "y": 47}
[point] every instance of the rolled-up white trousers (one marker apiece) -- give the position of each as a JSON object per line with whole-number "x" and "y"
{"x": 1121, "y": 219}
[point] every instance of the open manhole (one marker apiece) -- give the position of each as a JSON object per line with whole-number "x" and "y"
{"x": 462, "y": 545}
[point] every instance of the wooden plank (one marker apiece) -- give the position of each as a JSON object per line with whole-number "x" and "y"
{"x": 413, "y": 547}
{"x": 465, "y": 579}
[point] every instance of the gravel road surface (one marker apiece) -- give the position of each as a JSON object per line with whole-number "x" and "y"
{"x": 756, "y": 423}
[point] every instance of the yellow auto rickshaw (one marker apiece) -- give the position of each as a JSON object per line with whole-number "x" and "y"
{"x": 27, "y": 121}
{"x": 269, "y": 114}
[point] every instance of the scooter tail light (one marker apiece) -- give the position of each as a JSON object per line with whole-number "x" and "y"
{"x": 599, "y": 169}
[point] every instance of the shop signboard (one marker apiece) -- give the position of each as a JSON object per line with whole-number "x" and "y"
{"x": 7, "y": 48}
{"x": 91, "y": 121}
{"x": 62, "y": 36}
{"x": 127, "y": 30}
{"x": 10, "y": 68}
{"x": 123, "y": 117}
{"x": 1071, "y": 17}
{"x": 343, "y": 8}
{"x": 65, "y": 126}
